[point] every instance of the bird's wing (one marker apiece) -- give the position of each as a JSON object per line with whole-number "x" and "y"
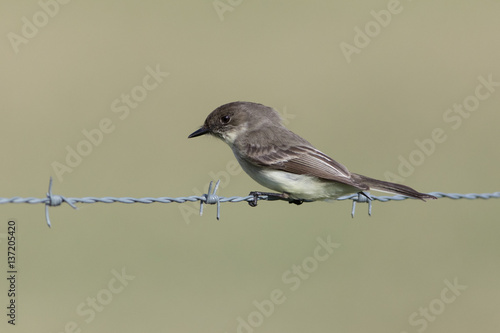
{"x": 301, "y": 159}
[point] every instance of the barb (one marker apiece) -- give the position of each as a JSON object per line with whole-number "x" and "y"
{"x": 360, "y": 197}
{"x": 54, "y": 200}
{"x": 211, "y": 198}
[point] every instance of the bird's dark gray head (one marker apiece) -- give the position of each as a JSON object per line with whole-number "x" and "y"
{"x": 229, "y": 120}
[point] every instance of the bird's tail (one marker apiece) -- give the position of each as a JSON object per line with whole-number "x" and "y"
{"x": 380, "y": 185}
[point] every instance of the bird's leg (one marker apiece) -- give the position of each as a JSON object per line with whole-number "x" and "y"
{"x": 271, "y": 196}
{"x": 292, "y": 201}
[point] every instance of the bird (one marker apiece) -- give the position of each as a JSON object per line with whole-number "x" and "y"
{"x": 281, "y": 160}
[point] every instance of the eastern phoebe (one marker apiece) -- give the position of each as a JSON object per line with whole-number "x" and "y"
{"x": 283, "y": 161}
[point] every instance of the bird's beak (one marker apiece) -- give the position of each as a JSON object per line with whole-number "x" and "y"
{"x": 201, "y": 131}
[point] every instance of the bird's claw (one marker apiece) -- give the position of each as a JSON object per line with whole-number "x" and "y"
{"x": 295, "y": 201}
{"x": 253, "y": 203}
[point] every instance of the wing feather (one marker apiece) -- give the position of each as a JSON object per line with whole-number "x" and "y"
{"x": 301, "y": 159}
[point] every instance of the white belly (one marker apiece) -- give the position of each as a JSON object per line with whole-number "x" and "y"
{"x": 297, "y": 186}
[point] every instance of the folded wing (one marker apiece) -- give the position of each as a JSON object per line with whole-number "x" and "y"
{"x": 302, "y": 159}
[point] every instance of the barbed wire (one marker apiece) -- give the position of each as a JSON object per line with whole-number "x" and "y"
{"x": 211, "y": 198}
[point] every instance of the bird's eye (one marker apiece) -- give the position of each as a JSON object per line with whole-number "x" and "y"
{"x": 225, "y": 119}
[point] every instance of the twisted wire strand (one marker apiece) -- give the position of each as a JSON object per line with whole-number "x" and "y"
{"x": 455, "y": 196}
{"x": 125, "y": 200}
{"x": 212, "y": 198}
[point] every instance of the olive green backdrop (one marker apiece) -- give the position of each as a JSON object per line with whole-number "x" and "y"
{"x": 122, "y": 84}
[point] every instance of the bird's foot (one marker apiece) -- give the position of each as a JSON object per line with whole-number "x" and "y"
{"x": 295, "y": 201}
{"x": 271, "y": 196}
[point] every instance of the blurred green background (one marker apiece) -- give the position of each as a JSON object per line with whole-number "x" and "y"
{"x": 67, "y": 69}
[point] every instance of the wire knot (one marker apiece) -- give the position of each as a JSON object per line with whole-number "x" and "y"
{"x": 54, "y": 200}
{"x": 362, "y": 197}
{"x": 211, "y": 198}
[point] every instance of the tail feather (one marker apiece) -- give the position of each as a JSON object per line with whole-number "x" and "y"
{"x": 380, "y": 185}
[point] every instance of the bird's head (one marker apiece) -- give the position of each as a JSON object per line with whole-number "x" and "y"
{"x": 231, "y": 120}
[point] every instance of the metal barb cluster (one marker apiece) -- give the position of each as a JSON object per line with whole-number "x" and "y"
{"x": 54, "y": 200}
{"x": 361, "y": 197}
{"x": 211, "y": 198}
